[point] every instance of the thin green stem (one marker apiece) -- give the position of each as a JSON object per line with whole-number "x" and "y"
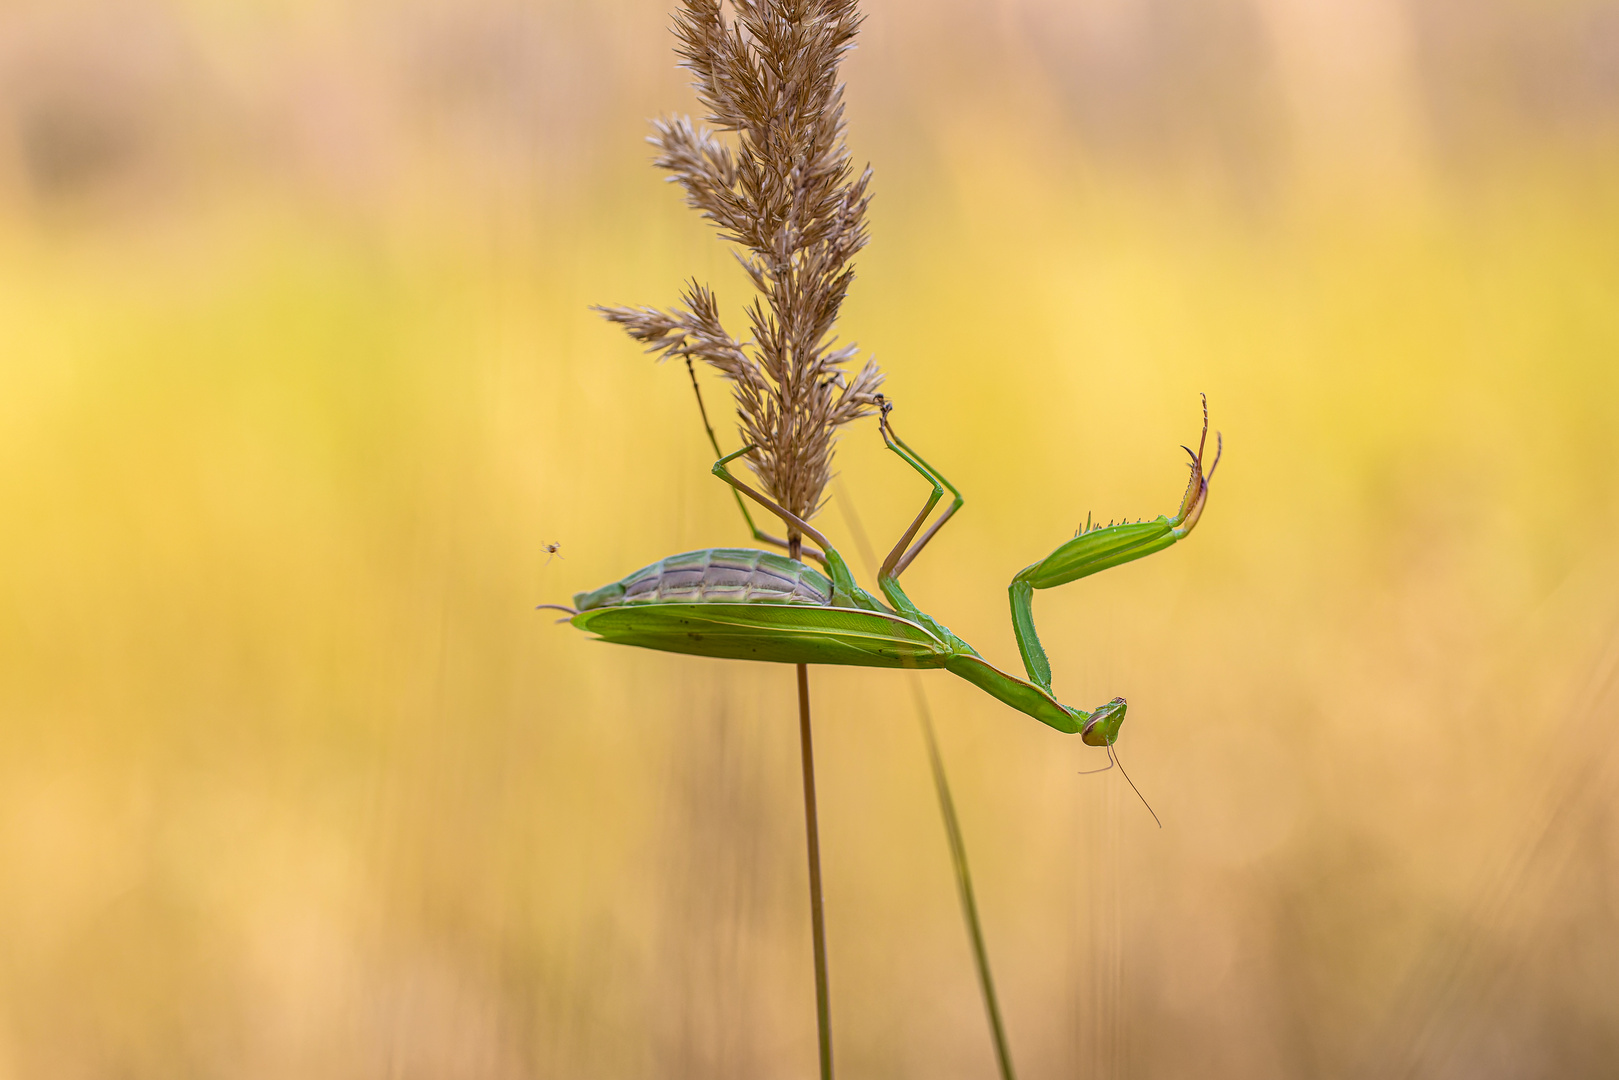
{"x": 964, "y": 884}
{"x": 952, "y": 826}
{"x": 823, "y": 1003}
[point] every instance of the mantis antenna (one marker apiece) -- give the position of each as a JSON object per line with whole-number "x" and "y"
{"x": 1104, "y": 768}
{"x": 1115, "y": 755}
{"x": 1113, "y": 760}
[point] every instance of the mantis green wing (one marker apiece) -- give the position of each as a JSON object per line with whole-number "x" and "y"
{"x": 777, "y": 633}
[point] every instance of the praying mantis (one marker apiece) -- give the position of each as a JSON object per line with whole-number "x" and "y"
{"x": 749, "y": 604}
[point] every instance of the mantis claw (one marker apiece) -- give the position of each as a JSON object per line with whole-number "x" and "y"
{"x": 1197, "y": 488}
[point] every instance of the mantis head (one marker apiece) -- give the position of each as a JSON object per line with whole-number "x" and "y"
{"x": 1103, "y": 726}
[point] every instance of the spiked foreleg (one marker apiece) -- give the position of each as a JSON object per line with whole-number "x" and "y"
{"x": 1085, "y": 554}
{"x": 1098, "y": 549}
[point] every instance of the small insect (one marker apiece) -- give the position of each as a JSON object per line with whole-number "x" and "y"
{"x": 553, "y": 550}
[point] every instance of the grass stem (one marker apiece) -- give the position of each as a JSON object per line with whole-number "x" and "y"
{"x": 952, "y": 827}
{"x": 964, "y": 884}
{"x": 812, "y": 833}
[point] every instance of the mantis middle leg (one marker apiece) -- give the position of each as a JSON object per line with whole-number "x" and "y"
{"x": 901, "y": 557}
{"x": 1097, "y": 549}
{"x": 904, "y": 551}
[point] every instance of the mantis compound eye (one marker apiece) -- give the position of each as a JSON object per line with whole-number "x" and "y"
{"x": 1103, "y": 726}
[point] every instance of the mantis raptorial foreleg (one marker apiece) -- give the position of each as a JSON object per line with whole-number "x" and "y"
{"x": 754, "y": 530}
{"x": 1100, "y": 548}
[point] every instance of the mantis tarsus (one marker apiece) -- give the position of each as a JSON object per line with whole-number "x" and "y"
{"x": 747, "y": 604}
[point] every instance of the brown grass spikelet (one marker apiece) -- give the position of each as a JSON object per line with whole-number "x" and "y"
{"x": 783, "y": 190}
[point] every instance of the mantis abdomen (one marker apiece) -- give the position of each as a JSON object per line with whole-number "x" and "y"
{"x": 743, "y": 604}
{"x": 715, "y": 576}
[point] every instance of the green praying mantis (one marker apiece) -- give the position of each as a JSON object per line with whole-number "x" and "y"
{"x": 748, "y": 604}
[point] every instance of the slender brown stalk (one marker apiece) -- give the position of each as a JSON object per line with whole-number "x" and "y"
{"x": 774, "y": 174}
{"x": 812, "y": 835}
{"x": 823, "y": 1002}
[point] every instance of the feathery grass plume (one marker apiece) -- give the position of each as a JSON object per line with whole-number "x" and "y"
{"x": 786, "y": 194}
{"x": 783, "y": 191}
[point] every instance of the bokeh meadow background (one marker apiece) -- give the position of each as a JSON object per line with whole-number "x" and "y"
{"x": 297, "y": 379}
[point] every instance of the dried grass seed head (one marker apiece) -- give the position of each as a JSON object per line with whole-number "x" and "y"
{"x": 786, "y": 195}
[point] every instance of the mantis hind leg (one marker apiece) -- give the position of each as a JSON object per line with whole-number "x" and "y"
{"x": 753, "y": 530}
{"x": 1095, "y": 549}
{"x": 844, "y": 590}
{"x": 790, "y": 519}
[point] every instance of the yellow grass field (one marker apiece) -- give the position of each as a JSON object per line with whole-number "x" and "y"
{"x": 297, "y": 379}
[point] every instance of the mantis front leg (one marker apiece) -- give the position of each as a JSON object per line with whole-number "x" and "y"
{"x": 1098, "y": 549}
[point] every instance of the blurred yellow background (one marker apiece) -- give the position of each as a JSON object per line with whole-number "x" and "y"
{"x": 297, "y": 379}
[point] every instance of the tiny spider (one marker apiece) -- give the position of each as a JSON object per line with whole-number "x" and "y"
{"x": 553, "y": 551}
